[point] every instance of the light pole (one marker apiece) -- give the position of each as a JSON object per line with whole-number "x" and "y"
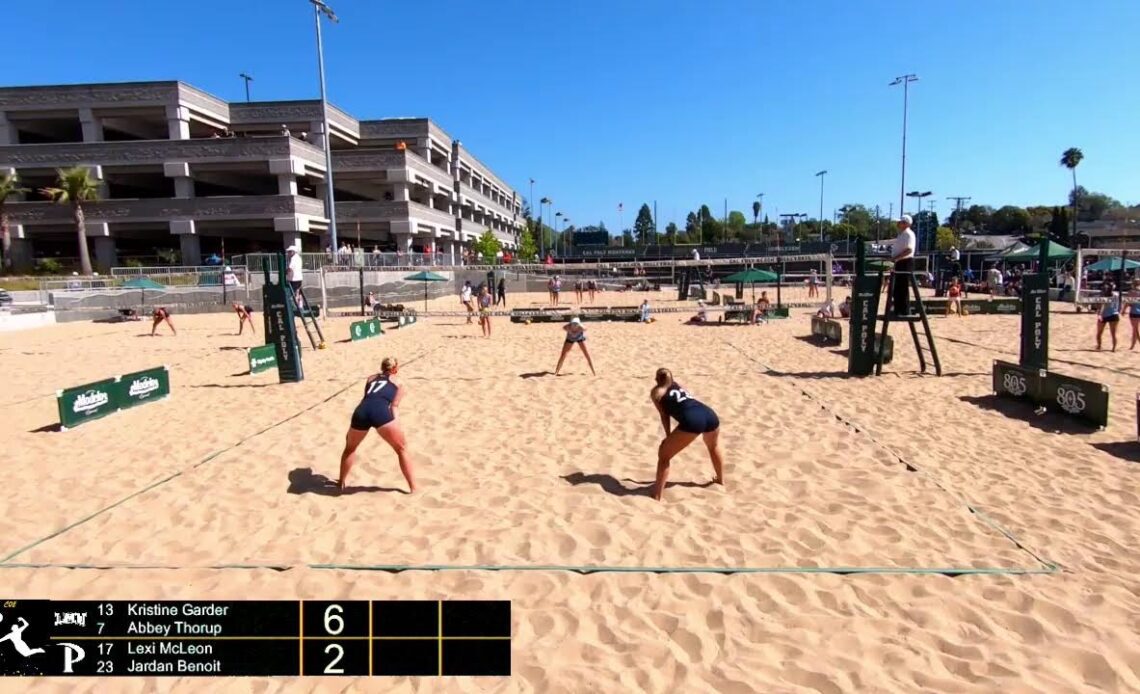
{"x": 530, "y": 202}
{"x": 541, "y": 233}
{"x": 905, "y": 81}
{"x": 918, "y": 215}
{"x": 320, "y": 8}
{"x": 557, "y": 224}
{"x": 247, "y": 79}
{"x": 820, "y": 175}
{"x": 565, "y": 238}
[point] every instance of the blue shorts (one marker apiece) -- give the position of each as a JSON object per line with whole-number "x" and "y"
{"x": 371, "y": 414}
{"x": 698, "y": 419}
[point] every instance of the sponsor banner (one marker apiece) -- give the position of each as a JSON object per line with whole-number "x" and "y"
{"x": 84, "y": 403}
{"x": 364, "y": 329}
{"x": 1013, "y": 381}
{"x": 144, "y": 386}
{"x": 1011, "y": 306}
{"x": 1075, "y": 397}
{"x": 826, "y": 328}
{"x": 262, "y": 358}
{"x": 864, "y": 312}
{"x": 1034, "y": 322}
{"x": 281, "y": 332}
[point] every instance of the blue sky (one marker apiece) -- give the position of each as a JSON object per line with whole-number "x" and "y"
{"x": 678, "y": 101}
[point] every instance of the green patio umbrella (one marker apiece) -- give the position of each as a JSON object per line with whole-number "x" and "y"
{"x": 1055, "y": 250}
{"x": 1113, "y": 264}
{"x": 425, "y": 277}
{"x": 752, "y": 276}
{"x": 142, "y": 283}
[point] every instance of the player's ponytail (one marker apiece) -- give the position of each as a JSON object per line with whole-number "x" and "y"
{"x": 664, "y": 377}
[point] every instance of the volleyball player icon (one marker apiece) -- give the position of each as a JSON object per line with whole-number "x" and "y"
{"x": 16, "y": 636}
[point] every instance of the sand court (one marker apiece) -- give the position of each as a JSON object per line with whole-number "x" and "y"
{"x": 516, "y": 467}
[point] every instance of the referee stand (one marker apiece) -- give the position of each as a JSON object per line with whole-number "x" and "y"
{"x": 910, "y": 319}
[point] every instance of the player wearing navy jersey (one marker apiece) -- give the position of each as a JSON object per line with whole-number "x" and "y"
{"x": 694, "y": 418}
{"x": 377, "y": 410}
{"x": 161, "y": 315}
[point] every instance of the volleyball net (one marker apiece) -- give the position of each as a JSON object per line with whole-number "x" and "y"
{"x": 1097, "y": 267}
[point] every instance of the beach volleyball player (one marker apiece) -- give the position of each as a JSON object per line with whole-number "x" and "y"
{"x": 245, "y": 315}
{"x": 161, "y": 315}
{"x": 377, "y": 410}
{"x": 694, "y": 418}
{"x": 575, "y": 335}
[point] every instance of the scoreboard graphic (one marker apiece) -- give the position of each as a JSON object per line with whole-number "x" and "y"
{"x": 351, "y": 638}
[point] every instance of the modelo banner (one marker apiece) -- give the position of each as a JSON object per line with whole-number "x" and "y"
{"x": 94, "y": 400}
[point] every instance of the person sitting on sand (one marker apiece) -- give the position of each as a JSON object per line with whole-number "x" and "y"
{"x": 575, "y": 335}
{"x": 760, "y": 310}
{"x": 694, "y": 419}
{"x": 377, "y": 410}
{"x": 702, "y": 316}
{"x": 245, "y": 315}
{"x": 845, "y": 307}
{"x": 827, "y": 310}
{"x": 643, "y": 317}
{"x": 954, "y": 298}
{"x": 1109, "y": 315}
{"x": 161, "y": 314}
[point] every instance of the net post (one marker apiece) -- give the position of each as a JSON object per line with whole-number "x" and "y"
{"x": 829, "y": 274}
{"x": 1077, "y": 273}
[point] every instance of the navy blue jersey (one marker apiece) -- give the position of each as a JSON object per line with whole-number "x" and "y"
{"x": 380, "y": 389}
{"x": 676, "y": 400}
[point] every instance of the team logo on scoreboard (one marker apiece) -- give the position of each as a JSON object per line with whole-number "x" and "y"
{"x": 24, "y": 646}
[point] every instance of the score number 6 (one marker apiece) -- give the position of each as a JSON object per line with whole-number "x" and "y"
{"x": 334, "y": 624}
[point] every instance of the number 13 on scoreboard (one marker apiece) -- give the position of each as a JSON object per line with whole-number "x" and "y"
{"x": 335, "y": 638}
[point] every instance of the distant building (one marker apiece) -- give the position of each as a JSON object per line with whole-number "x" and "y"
{"x": 180, "y": 168}
{"x": 1110, "y": 234}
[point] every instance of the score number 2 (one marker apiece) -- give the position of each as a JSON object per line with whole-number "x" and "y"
{"x": 334, "y": 625}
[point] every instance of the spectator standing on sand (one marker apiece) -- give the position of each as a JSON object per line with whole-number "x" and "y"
{"x": 467, "y": 299}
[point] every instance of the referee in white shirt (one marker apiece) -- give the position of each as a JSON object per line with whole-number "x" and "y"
{"x": 903, "y": 256}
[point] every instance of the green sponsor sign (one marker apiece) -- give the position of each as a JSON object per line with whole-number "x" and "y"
{"x": 144, "y": 386}
{"x": 282, "y": 332}
{"x": 101, "y": 398}
{"x": 364, "y": 329}
{"x": 1075, "y": 397}
{"x": 826, "y": 328}
{"x": 1013, "y": 381}
{"x": 1071, "y": 397}
{"x": 262, "y": 358}
{"x": 1011, "y": 306}
{"x": 84, "y": 403}
{"x": 864, "y": 312}
{"x": 1034, "y": 321}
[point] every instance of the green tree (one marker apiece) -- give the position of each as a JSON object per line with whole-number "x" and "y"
{"x": 859, "y": 217}
{"x": 755, "y": 211}
{"x": 692, "y": 226}
{"x": 1011, "y": 221}
{"x": 736, "y": 224}
{"x": 946, "y": 238}
{"x": 1070, "y": 159}
{"x": 486, "y": 247}
{"x": 74, "y": 187}
{"x": 979, "y": 217}
{"x": 1059, "y": 226}
{"x": 670, "y": 233}
{"x": 528, "y": 250}
{"x": 9, "y": 185}
{"x": 643, "y": 226}
{"x": 1091, "y": 206}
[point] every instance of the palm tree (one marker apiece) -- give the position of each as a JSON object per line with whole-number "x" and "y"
{"x": 75, "y": 187}
{"x": 1070, "y": 159}
{"x": 9, "y": 185}
{"x": 755, "y": 211}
